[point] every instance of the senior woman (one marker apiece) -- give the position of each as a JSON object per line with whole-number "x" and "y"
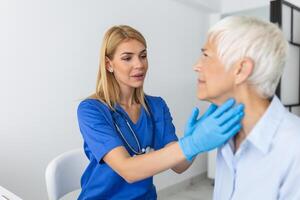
{"x": 243, "y": 58}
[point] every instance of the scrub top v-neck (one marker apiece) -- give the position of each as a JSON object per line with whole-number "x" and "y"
{"x": 143, "y": 138}
{"x": 141, "y": 112}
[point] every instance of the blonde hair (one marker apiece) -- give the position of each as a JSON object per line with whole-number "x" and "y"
{"x": 107, "y": 88}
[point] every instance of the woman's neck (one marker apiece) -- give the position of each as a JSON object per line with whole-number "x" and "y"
{"x": 255, "y": 107}
{"x": 127, "y": 96}
{"x": 127, "y": 102}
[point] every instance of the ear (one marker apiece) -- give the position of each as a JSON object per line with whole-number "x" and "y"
{"x": 243, "y": 70}
{"x": 108, "y": 65}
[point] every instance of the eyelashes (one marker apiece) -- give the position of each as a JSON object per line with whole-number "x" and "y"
{"x": 129, "y": 58}
{"x": 204, "y": 54}
{"x": 126, "y": 59}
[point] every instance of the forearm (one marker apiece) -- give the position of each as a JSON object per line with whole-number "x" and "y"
{"x": 146, "y": 165}
{"x": 182, "y": 166}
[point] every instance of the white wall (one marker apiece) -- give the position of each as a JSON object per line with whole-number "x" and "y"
{"x": 49, "y": 60}
{"x": 211, "y": 5}
{"x": 229, "y": 6}
{"x": 262, "y": 13}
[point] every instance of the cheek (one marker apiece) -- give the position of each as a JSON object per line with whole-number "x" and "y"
{"x": 217, "y": 84}
{"x": 122, "y": 71}
{"x": 220, "y": 84}
{"x": 119, "y": 75}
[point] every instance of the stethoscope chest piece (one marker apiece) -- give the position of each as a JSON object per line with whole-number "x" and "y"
{"x": 147, "y": 150}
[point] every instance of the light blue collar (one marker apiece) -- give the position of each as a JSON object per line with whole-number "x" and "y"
{"x": 262, "y": 134}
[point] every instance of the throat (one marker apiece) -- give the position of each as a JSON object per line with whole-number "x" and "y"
{"x": 238, "y": 140}
{"x": 133, "y": 112}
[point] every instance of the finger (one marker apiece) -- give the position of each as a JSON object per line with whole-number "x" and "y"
{"x": 232, "y": 123}
{"x": 209, "y": 110}
{"x": 193, "y": 117}
{"x": 224, "y": 107}
{"x": 230, "y": 114}
{"x": 233, "y": 131}
{"x": 239, "y": 108}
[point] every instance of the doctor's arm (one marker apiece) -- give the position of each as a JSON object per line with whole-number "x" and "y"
{"x": 136, "y": 168}
{"x": 189, "y": 128}
{"x": 207, "y": 134}
{"x": 181, "y": 166}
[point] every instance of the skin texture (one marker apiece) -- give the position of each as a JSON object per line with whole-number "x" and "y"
{"x": 214, "y": 82}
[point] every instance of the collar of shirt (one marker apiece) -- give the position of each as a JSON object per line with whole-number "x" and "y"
{"x": 262, "y": 134}
{"x": 264, "y": 131}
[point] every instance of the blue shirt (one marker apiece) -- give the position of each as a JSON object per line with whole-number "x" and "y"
{"x": 267, "y": 164}
{"x": 96, "y": 122}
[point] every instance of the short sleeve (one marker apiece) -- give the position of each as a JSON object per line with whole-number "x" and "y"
{"x": 97, "y": 128}
{"x": 169, "y": 134}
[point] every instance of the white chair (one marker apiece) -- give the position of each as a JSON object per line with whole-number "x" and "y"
{"x": 5, "y": 194}
{"x": 63, "y": 173}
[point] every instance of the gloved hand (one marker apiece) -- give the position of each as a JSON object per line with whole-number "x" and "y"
{"x": 213, "y": 131}
{"x": 192, "y": 121}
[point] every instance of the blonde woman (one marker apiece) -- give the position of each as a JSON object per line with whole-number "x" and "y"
{"x": 129, "y": 136}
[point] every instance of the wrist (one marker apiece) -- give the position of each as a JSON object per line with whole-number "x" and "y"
{"x": 187, "y": 147}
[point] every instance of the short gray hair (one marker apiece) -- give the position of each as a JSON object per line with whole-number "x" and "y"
{"x": 237, "y": 37}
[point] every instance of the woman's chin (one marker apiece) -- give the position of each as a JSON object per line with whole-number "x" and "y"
{"x": 137, "y": 85}
{"x": 217, "y": 101}
{"x": 202, "y": 97}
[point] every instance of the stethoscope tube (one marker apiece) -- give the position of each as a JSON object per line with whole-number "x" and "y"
{"x": 140, "y": 150}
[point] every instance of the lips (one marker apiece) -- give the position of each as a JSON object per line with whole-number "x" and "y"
{"x": 138, "y": 75}
{"x": 201, "y": 81}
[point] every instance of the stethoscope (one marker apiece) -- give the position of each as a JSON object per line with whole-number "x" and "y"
{"x": 140, "y": 150}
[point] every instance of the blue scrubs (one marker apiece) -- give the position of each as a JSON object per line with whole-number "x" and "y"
{"x": 96, "y": 123}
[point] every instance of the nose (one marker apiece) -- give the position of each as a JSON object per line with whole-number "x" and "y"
{"x": 197, "y": 67}
{"x": 139, "y": 63}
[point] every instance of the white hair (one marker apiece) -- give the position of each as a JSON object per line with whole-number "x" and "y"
{"x": 238, "y": 37}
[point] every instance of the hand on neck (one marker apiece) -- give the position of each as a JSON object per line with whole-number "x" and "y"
{"x": 255, "y": 107}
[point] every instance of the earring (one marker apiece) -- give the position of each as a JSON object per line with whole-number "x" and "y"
{"x": 111, "y": 70}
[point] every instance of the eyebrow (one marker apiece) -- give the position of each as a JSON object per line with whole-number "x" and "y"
{"x": 203, "y": 50}
{"x": 130, "y": 53}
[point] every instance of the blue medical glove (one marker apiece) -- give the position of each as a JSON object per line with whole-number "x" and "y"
{"x": 192, "y": 121}
{"x": 213, "y": 131}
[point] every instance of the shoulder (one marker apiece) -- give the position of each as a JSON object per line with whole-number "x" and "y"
{"x": 158, "y": 107}
{"x": 155, "y": 101}
{"x": 91, "y": 107}
{"x": 291, "y": 125}
{"x": 290, "y": 134}
{"x": 152, "y": 99}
